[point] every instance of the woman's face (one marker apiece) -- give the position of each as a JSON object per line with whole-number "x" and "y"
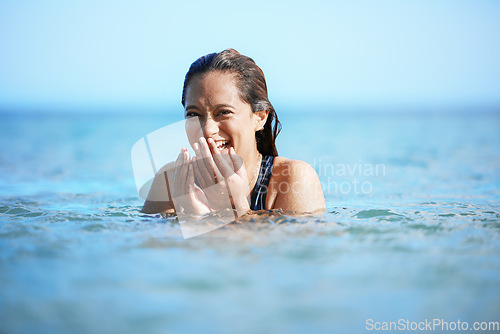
{"x": 215, "y": 110}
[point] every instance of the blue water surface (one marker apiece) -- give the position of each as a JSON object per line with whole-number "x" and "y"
{"x": 418, "y": 238}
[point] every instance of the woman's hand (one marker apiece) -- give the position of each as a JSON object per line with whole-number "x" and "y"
{"x": 186, "y": 196}
{"x": 223, "y": 179}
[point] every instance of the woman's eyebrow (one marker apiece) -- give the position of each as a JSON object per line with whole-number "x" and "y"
{"x": 191, "y": 107}
{"x": 222, "y": 105}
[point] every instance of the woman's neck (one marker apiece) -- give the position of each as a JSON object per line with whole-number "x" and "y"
{"x": 252, "y": 167}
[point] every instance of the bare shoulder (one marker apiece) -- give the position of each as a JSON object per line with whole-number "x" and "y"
{"x": 295, "y": 187}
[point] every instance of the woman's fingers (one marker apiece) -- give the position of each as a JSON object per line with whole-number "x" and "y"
{"x": 197, "y": 172}
{"x": 180, "y": 173}
{"x": 204, "y": 152}
{"x": 183, "y": 183}
{"x": 209, "y": 161}
{"x": 175, "y": 174}
{"x": 237, "y": 163}
{"x": 220, "y": 163}
{"x": 205, "y": 174}
{"x": 184, "y": 171}
{"x": 190, "y": 180}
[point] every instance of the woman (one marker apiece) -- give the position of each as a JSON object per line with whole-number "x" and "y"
{"x": 232, "y": 128}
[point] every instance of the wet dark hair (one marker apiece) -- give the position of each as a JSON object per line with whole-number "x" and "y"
{"x": 252, "y": 86}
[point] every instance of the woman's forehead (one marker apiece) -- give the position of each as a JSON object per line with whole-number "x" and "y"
{"x": 213, "y": 88}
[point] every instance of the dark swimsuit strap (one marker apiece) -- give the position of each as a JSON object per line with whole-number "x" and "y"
{"x": 258, "y": 199}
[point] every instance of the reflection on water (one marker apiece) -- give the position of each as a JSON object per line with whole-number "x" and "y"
{"x": 76, "y": 255}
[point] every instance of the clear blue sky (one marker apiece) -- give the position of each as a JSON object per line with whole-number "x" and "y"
{"x": 99, "y": 54}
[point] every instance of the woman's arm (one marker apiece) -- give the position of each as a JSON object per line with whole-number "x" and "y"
{"x": 158, "y": 200}
{"x": 295, "y": 187}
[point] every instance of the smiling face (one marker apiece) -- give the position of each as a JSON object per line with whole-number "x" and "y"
{"x": 214, "y": 109}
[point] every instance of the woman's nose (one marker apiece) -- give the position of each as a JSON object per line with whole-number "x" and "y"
{"x": 210, "y": 128}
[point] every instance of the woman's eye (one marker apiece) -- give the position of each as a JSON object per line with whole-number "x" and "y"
{"x": 191, "y": 114}
{"x": 225, "y": 112}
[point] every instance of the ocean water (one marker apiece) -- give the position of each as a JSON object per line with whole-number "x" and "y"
{"x": 412, "y": 231}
